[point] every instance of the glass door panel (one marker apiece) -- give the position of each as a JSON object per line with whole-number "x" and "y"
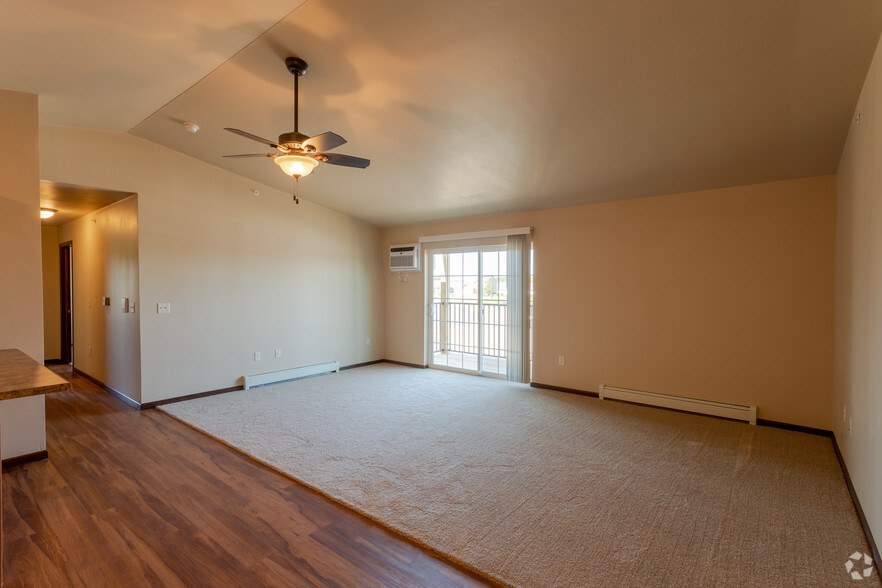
{"x": 468, "y": 310}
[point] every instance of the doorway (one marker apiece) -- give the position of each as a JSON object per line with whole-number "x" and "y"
{"x": 65, "y": 262}
{"x": 469, "y": 310}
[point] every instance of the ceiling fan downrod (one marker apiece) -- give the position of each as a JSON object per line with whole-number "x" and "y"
{"x": 297, "y": 67}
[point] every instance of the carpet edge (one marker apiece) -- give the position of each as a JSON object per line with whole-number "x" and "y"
{"x": 485, "y": 576}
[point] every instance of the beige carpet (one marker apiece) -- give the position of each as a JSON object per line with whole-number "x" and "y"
{"x": 540, "y": 488}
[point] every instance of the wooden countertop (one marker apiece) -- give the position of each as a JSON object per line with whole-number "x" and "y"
{"x": 20, "y": 376}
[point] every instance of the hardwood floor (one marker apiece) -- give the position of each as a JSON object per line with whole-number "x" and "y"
{"x": 132, "y": 497}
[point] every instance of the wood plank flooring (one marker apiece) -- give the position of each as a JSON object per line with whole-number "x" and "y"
{"x": 132, "y": 497}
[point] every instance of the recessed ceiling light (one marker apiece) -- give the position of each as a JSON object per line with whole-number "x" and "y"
{"x": 190, "y": 127}
{"x": 47, "y": 212}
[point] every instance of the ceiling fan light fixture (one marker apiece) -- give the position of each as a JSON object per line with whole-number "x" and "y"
{"x": 296, "y": 165}
{"x": 47, "y": 212}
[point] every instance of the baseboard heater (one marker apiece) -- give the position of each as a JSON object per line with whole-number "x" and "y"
{"x": 741, "y": 412}
{"x": 291, "y": 374}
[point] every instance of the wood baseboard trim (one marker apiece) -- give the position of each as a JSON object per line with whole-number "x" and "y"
{"x": 106, "y": 388}
{"x": 154, "y": 404}
{"x": 405, "y": 364}
{"x": 877, "y": 558}
{"x": 797, "y": 428}
{"x": 763, "y": 422}
{"x": 358, "y": 365}
{"x": 562, "y": 389}
{"x": 20, "y": 460}
{"x": 149, "y": 405}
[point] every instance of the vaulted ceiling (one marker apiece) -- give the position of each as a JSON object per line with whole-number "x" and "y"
{"x": 464, "y": 108}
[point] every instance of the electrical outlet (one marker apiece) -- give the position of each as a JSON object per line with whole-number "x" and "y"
{"x": 163, "y": 308}
{"x": 257, "y": 356}
{"x": 561, "y": 360}
{"x": 278, "y": 353}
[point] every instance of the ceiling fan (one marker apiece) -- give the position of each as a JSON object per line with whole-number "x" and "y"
{"x": 299, "y": 154}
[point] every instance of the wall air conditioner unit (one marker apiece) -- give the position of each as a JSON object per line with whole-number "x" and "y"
{"x": 404, "y": 258}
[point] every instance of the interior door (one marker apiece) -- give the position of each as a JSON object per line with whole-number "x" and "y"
{"x": 468, "y": 310}
{"x": 65, "y": 258}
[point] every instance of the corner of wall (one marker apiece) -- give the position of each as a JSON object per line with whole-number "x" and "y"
{"x": 857, "y": 412}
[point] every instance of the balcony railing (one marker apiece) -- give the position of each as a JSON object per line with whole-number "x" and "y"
{"x": 456, "y": 327}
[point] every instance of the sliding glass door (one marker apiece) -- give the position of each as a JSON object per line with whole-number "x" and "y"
{"x": 469, "y": 310}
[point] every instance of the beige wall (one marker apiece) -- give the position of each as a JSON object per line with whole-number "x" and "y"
{"x": 242, "y": 273}
{"x": 21, "y": 305}
{"x": 21, "y": 300}
{"x": 104, "y": 252}
{"x": 858, "y": 413}
{"x": 725, "y": 294}
{"x": 51, "y": 293}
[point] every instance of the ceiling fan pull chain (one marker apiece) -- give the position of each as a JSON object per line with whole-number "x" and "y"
{"x": 296, "y": 183}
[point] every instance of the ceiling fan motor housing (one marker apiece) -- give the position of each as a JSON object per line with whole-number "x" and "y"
{"x": 292, "y": 137}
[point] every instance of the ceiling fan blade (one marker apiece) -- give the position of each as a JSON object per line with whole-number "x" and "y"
{"x": 256, "y": 138}
{"x": 345, "y": 160}
{"x": 252, "y": 155}
{"x": 325, "y": 141}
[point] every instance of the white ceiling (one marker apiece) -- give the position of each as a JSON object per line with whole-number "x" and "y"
{"x": 464, "y": 108}
{"x": 107, "y": 64}
{"x": 71, "y": 202}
